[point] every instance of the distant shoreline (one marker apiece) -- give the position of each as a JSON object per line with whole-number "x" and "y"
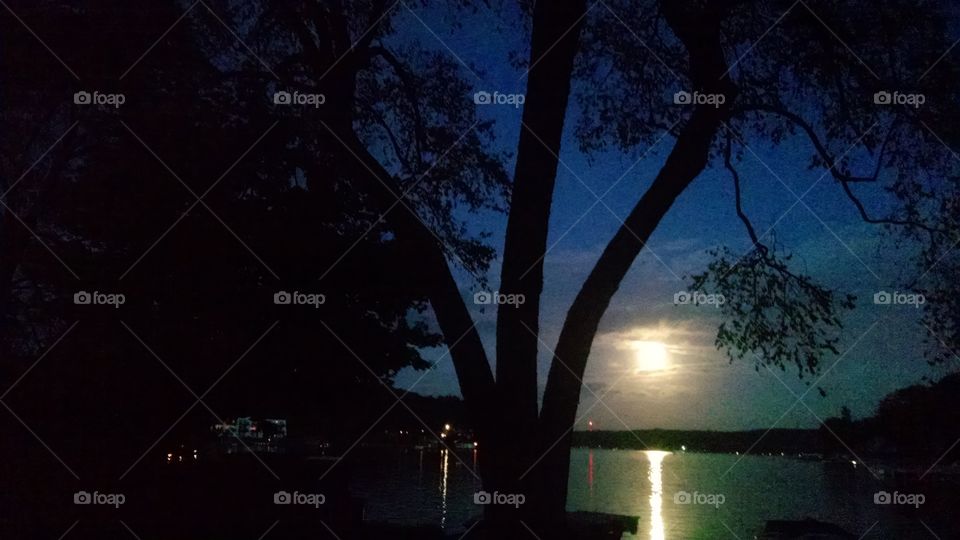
{"x": 792, "y": 441}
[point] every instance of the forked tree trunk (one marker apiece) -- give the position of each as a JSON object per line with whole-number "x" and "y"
{"x": 513, "y": 448}
{"x": 524, "y": 453}
{"x": 700, "y": 34}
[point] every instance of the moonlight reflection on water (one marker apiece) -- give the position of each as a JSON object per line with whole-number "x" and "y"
{"x": 655, "y": 457}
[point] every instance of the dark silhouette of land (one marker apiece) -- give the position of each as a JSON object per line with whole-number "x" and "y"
{"x": 790, "y": 441}
{"x": 915, "y": 426}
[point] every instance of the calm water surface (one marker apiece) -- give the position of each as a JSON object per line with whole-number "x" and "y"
{"x": 675, "y": 495}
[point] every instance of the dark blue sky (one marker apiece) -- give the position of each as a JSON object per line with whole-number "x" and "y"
{"x": 700, "y": 389}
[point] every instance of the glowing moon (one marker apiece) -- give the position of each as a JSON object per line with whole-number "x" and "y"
{"x": 651, "y": 355}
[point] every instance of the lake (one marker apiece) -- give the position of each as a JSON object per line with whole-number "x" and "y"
{"x": 680, "y": 495}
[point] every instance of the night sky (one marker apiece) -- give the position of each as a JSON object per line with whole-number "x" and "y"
{"x": 882, "y": 347}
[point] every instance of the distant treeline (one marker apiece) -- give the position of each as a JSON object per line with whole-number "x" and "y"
{"x": 919, "y": 424}
{"x": 914, "y": 425}
{"x": 792, "y": 441}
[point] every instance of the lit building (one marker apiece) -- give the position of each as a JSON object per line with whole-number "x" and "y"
{"x": 247, "y": 433}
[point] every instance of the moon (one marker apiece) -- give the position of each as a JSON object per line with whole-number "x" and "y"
{"x": 651, "y": 355}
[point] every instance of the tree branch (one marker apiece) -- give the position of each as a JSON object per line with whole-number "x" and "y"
{"x": 459, "y": 330}
{"x": 409, "y": 91}
{"x": 737, "y": 197}
{"x": 821, "y": 149}
{"x": 845, "y": 179}
{"x": 378, "y": 12}
{"x": 393, "y": 142}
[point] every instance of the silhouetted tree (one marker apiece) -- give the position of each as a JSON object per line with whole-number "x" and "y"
{"x": 799, "y": 80}
{"x": 112, "y": 207}
{"x": 397, "y": 153}
{"x": 921, "y": 422}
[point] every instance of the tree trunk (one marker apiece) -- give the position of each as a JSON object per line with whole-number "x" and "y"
{"x": 554, "y": 44}
{"x": 700, "y": 35}
{"x": 456, "y": 324}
